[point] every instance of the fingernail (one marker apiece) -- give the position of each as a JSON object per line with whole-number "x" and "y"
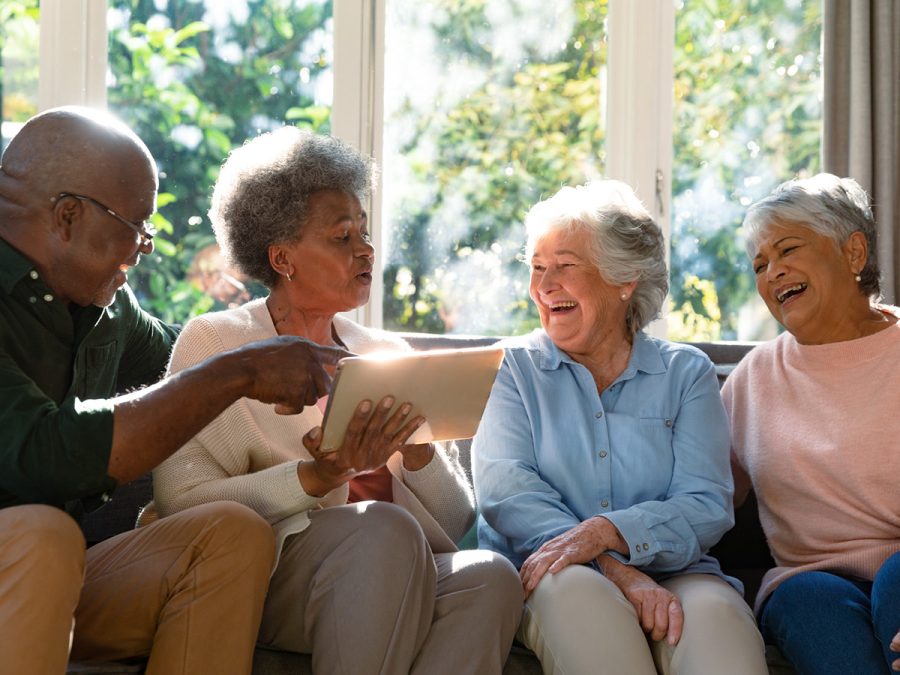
{"x": 405, "y": 408}
{"x": 365, "y": 406}
{"x": 314, "y": 432}
{"x": 388, "y": 402}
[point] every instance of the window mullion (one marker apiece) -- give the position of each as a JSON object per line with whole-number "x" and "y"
{"x": 639, "y": 104}
{"x": 358, "y": 112}
{"x": 73, "y": 53}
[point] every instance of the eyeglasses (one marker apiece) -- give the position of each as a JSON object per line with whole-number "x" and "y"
{"x": 144, "y": 230}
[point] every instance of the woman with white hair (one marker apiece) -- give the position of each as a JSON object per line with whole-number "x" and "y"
{"x": 815, "y": 427}
{"x": 601, "y": 463}
{"x": 368, "y": 578}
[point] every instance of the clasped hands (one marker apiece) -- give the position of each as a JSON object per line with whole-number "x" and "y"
{"x": 658, "y": 610}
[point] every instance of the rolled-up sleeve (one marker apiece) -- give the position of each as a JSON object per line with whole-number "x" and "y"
{"x": 49, "y": 453}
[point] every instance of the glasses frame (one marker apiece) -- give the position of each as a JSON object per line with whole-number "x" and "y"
{"x": 144, "y": 230}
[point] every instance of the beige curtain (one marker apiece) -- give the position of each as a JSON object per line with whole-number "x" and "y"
{"x": 861, "y": 48}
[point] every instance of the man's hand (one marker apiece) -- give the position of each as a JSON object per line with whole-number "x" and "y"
{"x": 288, "y": 371}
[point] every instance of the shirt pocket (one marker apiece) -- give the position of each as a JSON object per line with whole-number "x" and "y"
{"x": 642, "y": 447}
{"x": 99, "y": 367}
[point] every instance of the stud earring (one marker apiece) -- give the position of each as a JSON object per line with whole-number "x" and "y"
{"x": 288, "y": 275}
{"x": 858, "y": 278}
{"x": 624, "y": 296}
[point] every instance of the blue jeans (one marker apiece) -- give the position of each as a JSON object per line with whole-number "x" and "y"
{"x": 825, "y": 623}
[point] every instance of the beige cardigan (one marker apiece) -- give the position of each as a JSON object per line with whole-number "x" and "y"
{"x": 249, "y": 454}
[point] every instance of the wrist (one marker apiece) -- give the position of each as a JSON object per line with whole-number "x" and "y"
{"x": 312, "y": 480}
{"x": 417, "y": 457}
{"x": 611, "y": 537}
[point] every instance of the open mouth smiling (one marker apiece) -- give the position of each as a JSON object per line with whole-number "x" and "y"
{"x": 564, "y": 306}
{"x": 789, "y": 292}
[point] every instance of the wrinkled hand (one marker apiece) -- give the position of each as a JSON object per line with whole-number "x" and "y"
{"x": 658, "y": 609}
{"x": 895, "y": 647}
{"x": 581, "y": 544}
{"x": 372, "y": 436}
{"x": 288, "y": 371}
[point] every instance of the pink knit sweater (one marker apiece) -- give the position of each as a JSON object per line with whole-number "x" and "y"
{"x": 817, "y": 429}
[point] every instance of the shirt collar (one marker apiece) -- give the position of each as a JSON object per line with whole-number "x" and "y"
{"x": 13, "y": 266}
{"x": 645, "y": 356}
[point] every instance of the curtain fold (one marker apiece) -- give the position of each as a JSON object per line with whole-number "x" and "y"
{"x": 861, "y": 114}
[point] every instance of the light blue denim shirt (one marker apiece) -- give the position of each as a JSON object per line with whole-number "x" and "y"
{"x": 650, "y": 454}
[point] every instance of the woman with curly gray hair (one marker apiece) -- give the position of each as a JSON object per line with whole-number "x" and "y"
{"x": 601, "y": 463}
{"x": 368, "y": 578}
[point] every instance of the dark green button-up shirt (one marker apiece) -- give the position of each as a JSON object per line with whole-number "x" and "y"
{"x": 58, "y": 368}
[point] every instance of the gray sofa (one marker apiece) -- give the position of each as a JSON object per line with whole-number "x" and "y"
{"x": 743, "y": 551}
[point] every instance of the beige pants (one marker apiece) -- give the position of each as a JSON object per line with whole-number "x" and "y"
{"x": 579, "y": 623}
{"x": 362, "y": 592}
{"x": 185, "y": 592}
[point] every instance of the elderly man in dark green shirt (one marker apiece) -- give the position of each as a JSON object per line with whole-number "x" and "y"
{"x": 76, "y": 190}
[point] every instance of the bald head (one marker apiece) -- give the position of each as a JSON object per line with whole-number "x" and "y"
{"x": 72, "y": 149}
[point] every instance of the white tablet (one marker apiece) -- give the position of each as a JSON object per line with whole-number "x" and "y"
{"x": 448, "y": 387}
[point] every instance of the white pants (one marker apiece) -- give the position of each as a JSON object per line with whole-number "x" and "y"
{"x": 578, "y": 622}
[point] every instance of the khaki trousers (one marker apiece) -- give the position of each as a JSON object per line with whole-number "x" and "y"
{"x": 362, "y": 592}
{"x": 578, "y": 622}
{"x": 185, "y": 592}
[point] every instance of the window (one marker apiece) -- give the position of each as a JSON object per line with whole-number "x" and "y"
{"x": 502, "y": 107}
{"x": 475, "y": 110}
{"x": 19, "y": 46}
{"x": 195, "y": 79}
{"x": 748, "y": 109}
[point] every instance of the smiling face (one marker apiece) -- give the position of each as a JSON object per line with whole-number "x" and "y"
{"x": 332, "y": 261}
{"x": 808, "y": 282}
{"x": 579, "y": 309}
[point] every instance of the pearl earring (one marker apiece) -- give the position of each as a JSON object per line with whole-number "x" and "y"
{"x": 624, "y": 296}
{"x": 858, "y": 278}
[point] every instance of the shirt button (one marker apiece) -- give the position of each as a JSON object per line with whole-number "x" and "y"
{"x": 638, "y": 548}
{"x": 646, "y": 547}
{"x": 32, "y": 299}
{"x": 602, "y": 453}
{"x": 668, "y": 423}
{"x": 48, "y": 298}
{"x": 33, "y": 274}
{"x": 604, "y": 503}
{"x": 599, "y": 415}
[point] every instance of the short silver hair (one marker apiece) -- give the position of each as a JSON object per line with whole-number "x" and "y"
{"x": 831, "y": 206}
{"x": 627, "y": 245}
{"x": 261, "y": 197}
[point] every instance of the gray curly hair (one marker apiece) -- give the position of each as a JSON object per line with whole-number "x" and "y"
{"x": 831, "y": 206}
{"x": 261, "y": 197}
{"x": 627, "y": 245}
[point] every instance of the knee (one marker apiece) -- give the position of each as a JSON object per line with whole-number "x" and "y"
{"x": 888, "y": 575}
{"x": 229, "y": 528}
{"x": 715, "y": 605}
{"x": 391, "y": 529}
{"x": 886, "y": 590}
{"x": 497, "y": 580}
{"x": 48, "y": 543}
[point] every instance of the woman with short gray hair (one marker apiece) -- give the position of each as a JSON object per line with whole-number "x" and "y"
{"x": 815, "y": 428}
{"x": 601, "y": 462}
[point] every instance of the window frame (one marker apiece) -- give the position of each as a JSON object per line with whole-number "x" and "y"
{"x": 639, "y": 93}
